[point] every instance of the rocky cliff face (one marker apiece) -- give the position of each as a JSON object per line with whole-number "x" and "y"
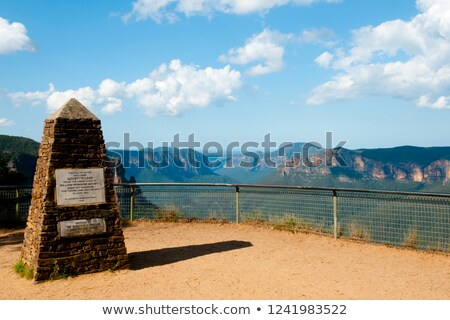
{"x": 360, "y": 166}
{"x": 164, "y": 165}
{"x": 437, "y": 171}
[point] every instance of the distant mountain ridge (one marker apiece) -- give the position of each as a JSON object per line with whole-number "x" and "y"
{"x": 406, "y": 163}
{"x": 12, "y": 147}
{"x": 394, "y": 168}
{"x": 18, "y": 156}
{"x": 419, "y": 155}
{"x": 400, "y": 168}
{"x": 167, "y": 165}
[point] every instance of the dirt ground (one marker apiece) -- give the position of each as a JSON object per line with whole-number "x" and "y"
{"x": 213, "y": 261}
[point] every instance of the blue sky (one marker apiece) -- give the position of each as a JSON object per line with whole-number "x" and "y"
{"x": 376, "y": 73}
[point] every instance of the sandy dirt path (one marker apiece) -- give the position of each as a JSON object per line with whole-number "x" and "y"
{"x": 213, "y": 261}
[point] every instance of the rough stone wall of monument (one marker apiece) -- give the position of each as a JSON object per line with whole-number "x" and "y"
{"x": 71, "y": 143}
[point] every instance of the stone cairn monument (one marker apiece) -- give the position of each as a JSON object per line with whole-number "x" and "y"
{"x": 73, "y": 222}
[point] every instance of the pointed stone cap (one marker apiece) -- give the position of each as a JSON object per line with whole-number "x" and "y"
{"x": 73, "y": 109}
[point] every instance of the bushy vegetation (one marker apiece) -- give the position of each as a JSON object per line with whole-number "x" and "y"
{"x": 12, "y": 147}
{"x": 8, "y": 177}
{"x": 23, "y": 270}
{"x": 22, "y": 152}
{"x": 62, "y": 271}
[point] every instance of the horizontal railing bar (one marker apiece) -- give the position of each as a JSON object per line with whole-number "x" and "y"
{"x": 174, "y": 184}
{"x": 262, "y": 186}
{"x": 16, "y": 187}
{"x": 269, "y": 186}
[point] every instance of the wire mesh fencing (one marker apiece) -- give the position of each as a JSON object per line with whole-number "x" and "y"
{"x": 410, "y": 220}
{"x": 169, "y": 202}
{"x": 420, "y": 221}
{"x": 406, "y": 220}
{"x": 292, "y": 209}
{"x": 14, "y": 204}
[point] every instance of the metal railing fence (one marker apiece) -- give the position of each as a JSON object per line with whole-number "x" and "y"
{"x": 14, "y": 204}
{"x": 415, "y": 220}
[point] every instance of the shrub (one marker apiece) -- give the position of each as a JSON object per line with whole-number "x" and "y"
{"x": 23, "y": 270}
{"x": 62, "y": 271}
{"x": 411, "y": 239}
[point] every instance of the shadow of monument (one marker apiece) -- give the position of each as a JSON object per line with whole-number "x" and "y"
{"x": 160, "y": 257}
{"x": 11, "y": 239}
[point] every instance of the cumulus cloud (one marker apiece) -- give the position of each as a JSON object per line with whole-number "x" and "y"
{"x": 85, "y": 95}
{"x": 6, "y": 122}
{"x": 168, "y": 10}
{"x": 408, "y": 60}
{"x": 324, "y": 60}
{"x": 264, "y": 52}
{"x": 170, "y": 90}
{"x": 35, "y": 98}
{"x": 13, "y": 37}
{"x": 153, "y": 9}
{"x": 322, "y": 36}
{"x": 266, "y": 49}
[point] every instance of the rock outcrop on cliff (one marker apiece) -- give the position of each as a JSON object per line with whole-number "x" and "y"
{"x": 403, "y": 164}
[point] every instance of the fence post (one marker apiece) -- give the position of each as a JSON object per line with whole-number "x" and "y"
{"x": 131, "y": 203}
{"x": 335, "y": 232}
{"x": 237, "y": 204}
{"x": 17, "y": 203}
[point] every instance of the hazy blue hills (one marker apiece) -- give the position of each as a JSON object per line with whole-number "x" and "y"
{"x": 168, "y": 165}
{"x": 401, "y": 168}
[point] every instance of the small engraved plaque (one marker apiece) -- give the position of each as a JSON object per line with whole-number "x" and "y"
{"x": 76, "y": 228}
{"x": 80, "y": 186}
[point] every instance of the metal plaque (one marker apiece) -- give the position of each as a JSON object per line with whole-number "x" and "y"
{"x": 75, "y": 228}
{"x": 80, "y": 186}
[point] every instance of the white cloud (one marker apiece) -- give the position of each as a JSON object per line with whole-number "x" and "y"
{"x": 251, "y": 6}
{"x": 112, "y": 105}
{"x": 266, "y": 48}
{"x": 153, "y": 9}
{"x": 86, "y": 96}
{"x": 322, "y": 36}
{"x": 408, "y": 60}
{"x": 13, "y": 37}
{"x": 6, "y": 122}
{"x": 170, "y": 90}
{"x": 324, "y": 60}
{"x": 36, "y": 98}
{"x": 175, "y": 88}
{"x": 160, "y": 10}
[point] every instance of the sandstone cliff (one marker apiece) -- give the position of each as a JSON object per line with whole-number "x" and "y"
{"x": 405, "y": 164}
